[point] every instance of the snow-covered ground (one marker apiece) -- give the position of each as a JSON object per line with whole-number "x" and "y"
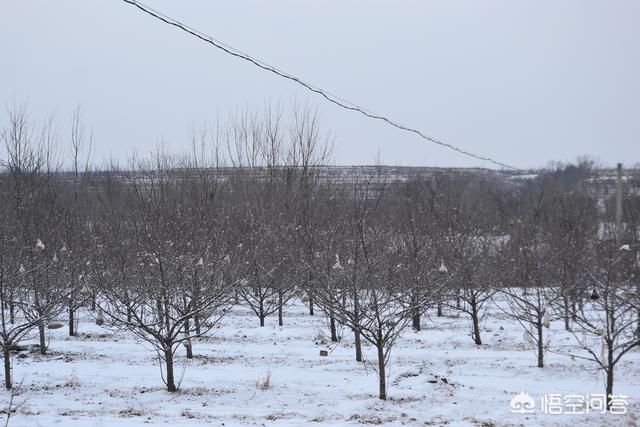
{"x": 437, "y": 377}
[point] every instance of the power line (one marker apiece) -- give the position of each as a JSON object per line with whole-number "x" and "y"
{"x": 326, "y": 95}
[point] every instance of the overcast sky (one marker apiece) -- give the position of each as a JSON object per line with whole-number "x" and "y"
{"x": 524, "y": 82}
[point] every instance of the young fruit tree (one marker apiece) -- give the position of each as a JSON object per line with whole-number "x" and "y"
{"x": 163, "y": 264}
{"x": 606, "y": 326}
{"x": 419, "y": 243}
{"x": 28, "y": 299}
{"x": 476, "y": 261}
{"x": 378, "y": 304}
{"x": 530, "y": 290}
{"x": 267, "y": 268}
{"x": 572, "y": 221}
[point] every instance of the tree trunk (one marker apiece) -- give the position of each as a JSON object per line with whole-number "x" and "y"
{"x": 261, "y": 313}
{"x": 280, "y": 303}
{"x": 168, "y": 357}
{"x": 188, "y": 346}
{"x": 310, "y": 305}
{"x": 416, "y": 320}
{"x": 540, "y": 343}
{"x": 43, "y": 341}
{"x": 476, "y": 322}
{"x": 439, "y": 309}
{"x": 358, "y": 346}
{"x": 609, "y": 369}
{"x": 355, "y": 330}
{"x": 638, "y": 312}
{"x": 609, "y": 386}
{"x": 7, "y": 365}
{"x": 567, "y": 313}
{"x": 381, "y": 370}
{"x": 332, "y": 324}
{"x": 416, "y": 314}
{"x": 196, "y": 321}
{"x": 72, "y": 331}
{"x": 12, "y": 313}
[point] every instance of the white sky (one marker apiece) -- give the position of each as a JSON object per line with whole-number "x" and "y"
{"x": 525, "y": 82}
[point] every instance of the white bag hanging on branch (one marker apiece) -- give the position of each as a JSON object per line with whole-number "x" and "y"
{"x": 443, "y": 268}
{"x": 337, "y": 265}
{"x": 546, "y": 320}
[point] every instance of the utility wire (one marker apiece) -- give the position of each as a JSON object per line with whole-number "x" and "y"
{"x": 323, "y": 93}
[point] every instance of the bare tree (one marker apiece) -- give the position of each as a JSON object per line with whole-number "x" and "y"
{"x": 606, "y": 326}
{"x": 374, "y": 302}
{"x": 530, "y": 270}
{"x": 172, "y": 259}
{"x": 475, "y": 260}
{"x": 27, "y": 299}
{"x": 571, "y": 221}
{"x": 419, "y": 243}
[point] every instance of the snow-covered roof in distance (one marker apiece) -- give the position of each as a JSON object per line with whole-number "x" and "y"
{"x": 524, "y": 177}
